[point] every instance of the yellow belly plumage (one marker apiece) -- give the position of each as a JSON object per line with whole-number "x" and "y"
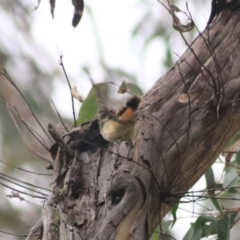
{"x": 114, "y": 131}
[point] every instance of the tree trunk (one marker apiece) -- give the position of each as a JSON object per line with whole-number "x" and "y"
{"x": 115, "y": 191}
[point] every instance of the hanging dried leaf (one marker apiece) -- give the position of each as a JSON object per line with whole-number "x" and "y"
{"x": 76, "y": 94}
{"x": 123, "y": 87}
{"x": 176, "y": 22}
{"x": 78, "y": 11}
{"x": 52, "y": 5}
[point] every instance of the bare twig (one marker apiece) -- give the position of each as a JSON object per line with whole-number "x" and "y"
{"x": 15, "y": 183}
{"x": 70, "y": 88}
{"x": 6, "y": 75}
{"x": 165, "y": 6}
{"x": 28, "y": 126}
{"x": 59, "y": 116}
{"x": 27, "y": 183}
{"x": 202, "y": 65}
{"x": 25, "y": 170}
{"x": 14, "y": 189}
{"x": 10, "y": 110}
{"x": 32, "y": 131}
{"x": 219, "y": 93}
{"x": 17, "y": 235}
{"x": 48, "y": 160}
{"x": 18, "y": 196}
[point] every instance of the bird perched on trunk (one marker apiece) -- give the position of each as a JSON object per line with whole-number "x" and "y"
{"x": 219, "y": 5}
{"x": 118, "y": 125}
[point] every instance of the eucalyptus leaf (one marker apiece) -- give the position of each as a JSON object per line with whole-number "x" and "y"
{"x": 135, "y": 89}
{"x": 196, "y": 231}
{"x": 223, "y": 228}
{"x": 89, "y": 107}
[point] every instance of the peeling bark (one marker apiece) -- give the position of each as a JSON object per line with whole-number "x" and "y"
{"x": 115, "y": 191}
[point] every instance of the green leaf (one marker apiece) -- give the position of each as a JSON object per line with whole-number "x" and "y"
{"x": 89, "y": 107}
{"x": 174, "y": 214}
{"x": 223, "y": 228}
{"x": 238, "y": 158}
{"x": 134, "y": 89}
{"x": 231, "y": 177}
{"x": 232, "y": 217}
{"x": 123, "y": 87}
{"x": 155, "y": 236}
{"x": 209, "y": 230}
{"x": 166, "y": 225}
{"x": 161, "y": 231}
{"x": 216, "y": 204}
{"x": 209, "y": 175}
{"x": 232, "y": 190}
{"x": 196, "y": 230}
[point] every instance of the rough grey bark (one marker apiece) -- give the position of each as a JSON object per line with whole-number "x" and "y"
{"x": 103, "y": 191}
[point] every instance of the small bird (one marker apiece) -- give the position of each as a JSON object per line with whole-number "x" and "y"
{"x": 219, "y": 5}
{"x": 118, "y": 126}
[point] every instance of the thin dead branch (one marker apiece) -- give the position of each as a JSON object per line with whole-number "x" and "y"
{"x": 7, "y": 76}
{"x": 70, "y": 88}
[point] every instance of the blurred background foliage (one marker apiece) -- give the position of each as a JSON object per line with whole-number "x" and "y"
{"x": 154, "y": 44}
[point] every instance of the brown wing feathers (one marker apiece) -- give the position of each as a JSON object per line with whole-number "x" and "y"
{"x": 127, "y": 113}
